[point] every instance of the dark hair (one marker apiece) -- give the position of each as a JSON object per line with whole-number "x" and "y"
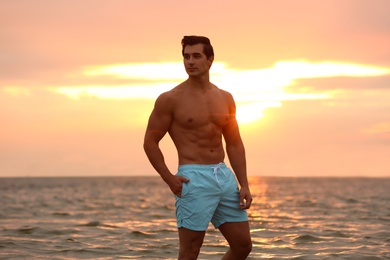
{"x": 192, "y": 40}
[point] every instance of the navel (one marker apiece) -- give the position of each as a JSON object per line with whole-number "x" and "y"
{"x": 190, "y": 119}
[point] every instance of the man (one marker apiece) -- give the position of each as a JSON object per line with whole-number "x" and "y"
{"x": 197, "y": 114}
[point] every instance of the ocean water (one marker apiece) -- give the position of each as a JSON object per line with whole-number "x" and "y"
{"x": 134, "y": 218}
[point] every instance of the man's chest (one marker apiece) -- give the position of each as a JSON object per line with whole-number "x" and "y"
{"x": 193, "y": 113}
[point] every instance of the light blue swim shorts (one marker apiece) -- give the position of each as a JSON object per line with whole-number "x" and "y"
{"x": 211, "y": 195}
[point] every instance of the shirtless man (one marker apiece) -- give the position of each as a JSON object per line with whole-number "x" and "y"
{"x": 196, "y": 114}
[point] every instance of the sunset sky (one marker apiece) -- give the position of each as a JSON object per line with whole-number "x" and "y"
{"x": 78, "y": 80}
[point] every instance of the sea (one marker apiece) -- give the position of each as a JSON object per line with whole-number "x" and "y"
{"x": 134, "y": 218}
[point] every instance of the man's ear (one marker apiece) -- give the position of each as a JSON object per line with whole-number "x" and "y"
{"x": 210, "y": 60}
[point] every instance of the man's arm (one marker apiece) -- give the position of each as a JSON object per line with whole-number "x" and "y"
{"x": 236, "y": 153}
{"x": 159, "y": 123}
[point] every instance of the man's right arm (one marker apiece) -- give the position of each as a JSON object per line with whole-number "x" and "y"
{"x": 159, "y": 123}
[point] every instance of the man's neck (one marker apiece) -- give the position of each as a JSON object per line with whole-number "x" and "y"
{"x": 201, "y": 83}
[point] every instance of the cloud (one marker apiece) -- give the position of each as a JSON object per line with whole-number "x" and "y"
{"x": 265, "y": 85}
{"x": 16, "y": 91}
{"x": 167, "y": 71}
{"x": 346, "y": 83}
{"x": 379, "y": 128}
{"x": 114, "y": 92}
{"x": 378, "y": 133}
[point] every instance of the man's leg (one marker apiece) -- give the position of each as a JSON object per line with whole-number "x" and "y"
{"x": 238, "y": 236}
{"x": 190, "y": 243}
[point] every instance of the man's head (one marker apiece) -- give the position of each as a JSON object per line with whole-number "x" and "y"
{"x": 192, "y": 40}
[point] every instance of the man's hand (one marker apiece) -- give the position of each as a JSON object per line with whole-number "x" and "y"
{"x": 245, "y": 198}
{"x": 176, "y": 184}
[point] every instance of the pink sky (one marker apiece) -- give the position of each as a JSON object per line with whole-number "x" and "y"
{"x": 275, "y": 52}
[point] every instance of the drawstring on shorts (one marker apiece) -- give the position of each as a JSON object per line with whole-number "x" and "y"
{"x": 215, "y": 171}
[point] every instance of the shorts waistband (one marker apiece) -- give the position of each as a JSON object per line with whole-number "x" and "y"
{"x": 184, "y": 167}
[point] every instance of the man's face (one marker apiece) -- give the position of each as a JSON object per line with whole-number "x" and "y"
{"x": 195, "y": 61}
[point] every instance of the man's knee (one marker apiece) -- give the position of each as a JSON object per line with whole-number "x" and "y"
{"x": 189, "y": 253}
{"x": 242, "y": 249}
{"x": 247, "y": 247}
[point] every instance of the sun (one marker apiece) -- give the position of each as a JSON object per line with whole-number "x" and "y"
{"x": 247, "y": 113}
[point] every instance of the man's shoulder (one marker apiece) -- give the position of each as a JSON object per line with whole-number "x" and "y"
{"x": 169, "y": 96}
{"x": 175, "y": 92}
{"x": 224, "y": 93}
{"x": 177, "y": 89}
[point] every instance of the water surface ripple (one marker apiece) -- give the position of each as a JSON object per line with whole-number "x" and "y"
{"x": 133, "y": 218}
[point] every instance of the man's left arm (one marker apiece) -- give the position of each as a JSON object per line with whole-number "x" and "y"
{"x": 236, "y": 153}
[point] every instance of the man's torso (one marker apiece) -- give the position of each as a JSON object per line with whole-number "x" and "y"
{"x": 197, "y": 123}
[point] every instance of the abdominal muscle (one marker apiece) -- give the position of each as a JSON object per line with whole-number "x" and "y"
{"x": 202, "y": 145}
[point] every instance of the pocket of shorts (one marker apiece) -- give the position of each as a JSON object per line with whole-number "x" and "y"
{"x": 184, "y": 189}
{"x": 184, "y": 185}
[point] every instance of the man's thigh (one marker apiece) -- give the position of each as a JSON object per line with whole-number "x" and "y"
{"x": 236, "y": 233}
{"x": 190, "y": 241}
